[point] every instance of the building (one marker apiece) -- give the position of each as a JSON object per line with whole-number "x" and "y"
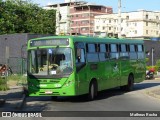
{"x": 77, "y": 17}
{"x": 138, "y": 24}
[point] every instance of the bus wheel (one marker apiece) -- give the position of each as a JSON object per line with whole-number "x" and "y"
{"x": 130, "y": 84}
{"x": 92, "y": 90}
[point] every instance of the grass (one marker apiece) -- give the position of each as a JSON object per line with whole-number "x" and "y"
{"x": 3, "y": 84}
{"x": 13, "y": 80}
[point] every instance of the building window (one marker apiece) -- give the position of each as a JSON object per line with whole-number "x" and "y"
{"x": 103, "y": 28}
{"x": 157, "y": 32}
{"x": 72, "y": 16}
{"x": 84, "y": 28}
{"x": 146, "y": 31}
{"x": 127, "y": 17}
{"x": 109, "y": 28}
{"x": 157, "y": 17}
{"x": 72, "y": 22}
{"x": 85, "y": 22}
{"x": 146, "y": 23}
{"x": 135, "y": 24}
{"x": 135, "y": 32}
{"x": 127, "y": 24}
{"x": 146, "y": 16}
{"x": 97, "y": 27}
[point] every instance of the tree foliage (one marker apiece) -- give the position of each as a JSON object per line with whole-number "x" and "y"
{"x": 22, "y": 16}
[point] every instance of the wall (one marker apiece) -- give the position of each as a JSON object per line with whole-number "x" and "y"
{"x": 148, "y": 46}
{"x": 15, "y": 43}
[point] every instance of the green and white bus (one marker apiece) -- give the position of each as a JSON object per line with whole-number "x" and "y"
{"x": 77, "y": 65}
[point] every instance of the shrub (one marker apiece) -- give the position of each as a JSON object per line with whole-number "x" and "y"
{"x": 3, "y": 84}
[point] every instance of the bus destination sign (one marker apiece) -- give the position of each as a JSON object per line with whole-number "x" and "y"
{"x": 49, "y": 42}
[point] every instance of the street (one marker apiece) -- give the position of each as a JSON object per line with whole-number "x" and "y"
{"x": 108, "y": 100}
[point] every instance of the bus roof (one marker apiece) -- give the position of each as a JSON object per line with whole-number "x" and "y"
{"x": 94, "y": 39}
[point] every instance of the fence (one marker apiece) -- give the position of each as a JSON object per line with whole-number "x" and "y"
{"x": 18, "y": 65}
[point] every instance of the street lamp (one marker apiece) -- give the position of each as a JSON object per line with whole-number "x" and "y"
{"x": 152, "y": 56}
{"x": 119, "y": 18}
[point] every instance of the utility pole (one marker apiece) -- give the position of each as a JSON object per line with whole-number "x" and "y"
{"x": 152, "y": 57}
{"x": 119, "y": 18}
{"x": 58, "y": 19}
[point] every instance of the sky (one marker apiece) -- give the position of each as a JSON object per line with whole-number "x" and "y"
{"x": 127, "y": 5}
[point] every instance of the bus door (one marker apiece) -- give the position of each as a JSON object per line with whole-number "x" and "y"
{"x": 81, "y": 74}
{"x": 115, "y": 65}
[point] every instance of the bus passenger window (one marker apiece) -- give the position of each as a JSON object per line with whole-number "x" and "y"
{"x": 80, "y": 56}
{"x": 133, "y": 53}
{"x": 140, "y": 52}
{"x": 123, "y": 51}
{"x": 114, "y": 51}
{"x": 103, "y": 53}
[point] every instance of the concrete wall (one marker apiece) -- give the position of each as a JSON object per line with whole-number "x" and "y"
{"x": 156, "y": 54}
{"x": 15, "y": 43}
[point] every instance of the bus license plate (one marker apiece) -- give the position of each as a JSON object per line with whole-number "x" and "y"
{"x": 48, "y": 92}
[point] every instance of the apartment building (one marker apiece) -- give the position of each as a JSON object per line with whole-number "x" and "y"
{"x": 77, "y": 17}
{"x": 82, "y": 17}
{"x": 137, "y": 24}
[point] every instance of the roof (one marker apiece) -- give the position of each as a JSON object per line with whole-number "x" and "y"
{"x": 94, "y": 39}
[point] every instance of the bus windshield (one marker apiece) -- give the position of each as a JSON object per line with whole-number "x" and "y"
{"x": 50, "y": 61}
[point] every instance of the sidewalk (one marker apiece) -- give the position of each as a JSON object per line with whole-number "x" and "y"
{"x": 10, "y": 98}
{"x": 155, "y": 91}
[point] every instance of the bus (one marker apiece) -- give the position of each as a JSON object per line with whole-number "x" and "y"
{"x": 79, "y": 65}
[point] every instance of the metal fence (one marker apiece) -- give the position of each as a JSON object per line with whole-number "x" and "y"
{"x": 18, "y": 65}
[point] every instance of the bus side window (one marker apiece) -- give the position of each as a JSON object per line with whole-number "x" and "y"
{"x": 114, "y": 54}
{"x": 132, "y": 52}
{"x": 123, "y": 51}
{"x": 140, "y": 51}
{"x": 103, "y": 52}
{"x": 80, "y": 57}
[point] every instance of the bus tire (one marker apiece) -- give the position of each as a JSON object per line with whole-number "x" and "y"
{"x": 92, "y": 91}
{"x": 130, "y": 84}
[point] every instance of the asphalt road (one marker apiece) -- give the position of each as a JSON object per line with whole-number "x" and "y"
{"x": 109, "y": 100}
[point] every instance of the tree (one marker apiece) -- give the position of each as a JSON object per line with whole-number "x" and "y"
{"x": 19, "y": 16}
